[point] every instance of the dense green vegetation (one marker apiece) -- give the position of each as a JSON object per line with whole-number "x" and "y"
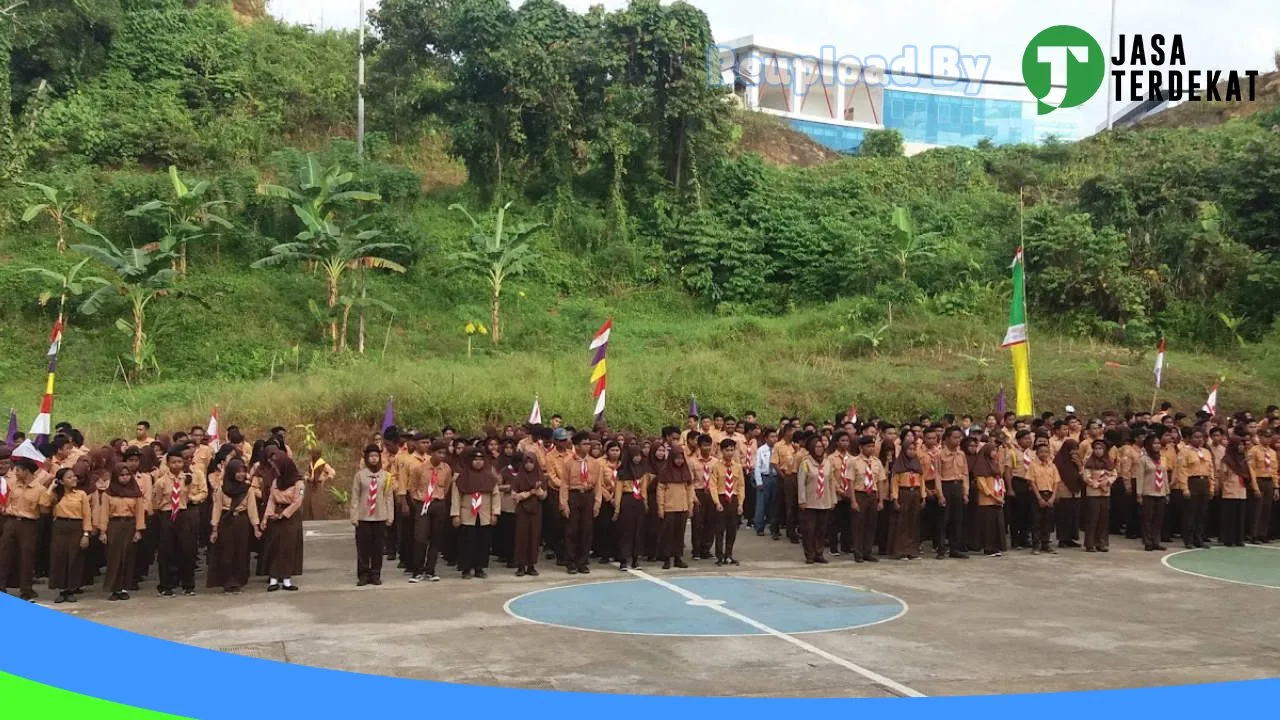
{"x": 628, "y": 193}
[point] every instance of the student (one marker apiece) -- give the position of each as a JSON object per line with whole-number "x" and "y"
{"x": 120, "y": 522}
{"x": 18, "y": 541}
{"x": 235, "y": 523}
{"x": 656, "y": 458}
{"x": 632, "y": 506}
{"x": 869, "y": 479}
{"x": 433, "y": 488}
{"x": 603, "y": 535}
{"x": 727, "y": 491}
{"x": 72, "y": 526}
{"x": 580, "y": 499}
{"x": 1021, "y": 506}
{"x": 1066, "y": 504}
{"x": 989, "y": 482}
{"x": 905, "y": 487}
{"x": 1237, "y": 485}
{"x": 1262, "y": 466}
{"x": 1099, "y": 475}
{"x": 816, "y": 495}
{"x": 839, "y": 521}
{"x": 1153, "y": 491}
{"x": 552, "y": 521}
{"x": 282, "y": 525}
{"x": 173, "y": 493}
{"x": 504, "y": 533}
{"x": 953, "y": 476}
{"x": 372, "y": 513}
{"x": 786, "y": 458}
{"x": 476, "y": 501}
{"x": 705, "y": 467}
{"x": 1044, "y": 478}
{"x": 675, "y": 500}
{"x": 315, "y": 502}
{"x": 528, "y": 490}
{"x": 1196, "y": 475}
{"x": 405, "y": 467}
{"x": 766, "y": 481}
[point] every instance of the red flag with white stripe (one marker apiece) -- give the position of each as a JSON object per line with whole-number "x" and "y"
{"x": 1211, "y": 405}
{"x": 212, "y": 431}
{"x": 1160, "y": 363}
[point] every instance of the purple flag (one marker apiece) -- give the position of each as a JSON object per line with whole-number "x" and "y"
{"x": 13, "y": 427}
{"x": 693, "y": 406}
{"x": 389, "y": 415}
{"x": 1000, "y": 408}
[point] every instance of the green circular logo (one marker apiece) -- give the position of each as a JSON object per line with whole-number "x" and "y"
{"x": 1063, "y": 67}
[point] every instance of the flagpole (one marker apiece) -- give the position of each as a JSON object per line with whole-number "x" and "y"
{"x": 1022, "y": 245}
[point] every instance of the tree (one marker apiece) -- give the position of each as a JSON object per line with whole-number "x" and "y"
{"x": 908, "y": 246}
{"x": 65, "y": 284}
{"x": 57, "y": 206}
{"x": 881, "y": 143}
{"x": 498, "y": 255}
{"x": 184, "y": 218}
{"x": 140, "y": 278}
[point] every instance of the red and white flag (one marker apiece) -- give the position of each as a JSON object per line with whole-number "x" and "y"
{"x": 212, "y": 431}
{"x": 535, "y": 415}
{"x": 1160, "y": 363}
{"x": 852, "y": 415}
{"x": 1211, "y": 405}
{"x": 28, "y": 450}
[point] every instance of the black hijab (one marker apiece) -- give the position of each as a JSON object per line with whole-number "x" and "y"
{"x": 232, "y": 486}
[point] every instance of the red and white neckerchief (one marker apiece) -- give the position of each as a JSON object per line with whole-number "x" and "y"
{"x": 1026, "y": 458}
{"x": 431, "y": 489}
{"x": 844, "y": 478}
{"x": 706, "y": 475}
{"x": 822, "y": 479}
{"x": 999, "y": 488}
{"x": 582, "y": 474}
{"x": 1266, "y": 460}
{"x": 728, "y": 481}
{"x": 636, "y": 491}
{"x": 477, "y": 499}
{"x": 373, "y": 495}
{"x": 175, "y": 497}
{"x": 868, "y": 479}
{"x": 4, "y": 492}
{"x": 1159, "y": 479}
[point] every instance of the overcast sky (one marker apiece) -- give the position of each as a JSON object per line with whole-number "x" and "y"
{"x": 1223, "y": 35}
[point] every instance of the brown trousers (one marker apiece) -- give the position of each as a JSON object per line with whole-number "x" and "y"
{"x": 1152, "y": 519}
{"x": 813, "y": 532}
{"x": 790, "y": 510}
{"x": 315, "y": 501}
{"x": 1097, "y": 522}
{"x": 66, "y": 561}
{"x": 578, "y": 528}
{"x": 673, "y": 534}
{"x": 229, "y": 557}
{"x": 1260, "y": 528}
{"x": 704, "y": 524}
{"x": 371, "y": 539}
{"x": 1195, "y": 515}
{"x": 18, "y": 550}
{"x": 906, "y": 541}
{"x": 864, "y": 524}
{"x": 991, "y": 528}
{"x": 428, "y": 537}
{"x": 1043, "y": 524}
{"x": 1233, "y": 521}
{"x": 630, "y": 528}
{"x": 120, "y": 554}
{"x": 528, "y": 536}
{"x": 727, "y": 522}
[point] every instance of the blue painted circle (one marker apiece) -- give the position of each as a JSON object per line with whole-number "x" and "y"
{"x": 749, "y": 606}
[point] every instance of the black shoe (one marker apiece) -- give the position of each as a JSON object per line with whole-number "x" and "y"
{"x": 270, "y": 588}
{"x": 361, "y": 582}
{"x": 872, "y": 558}
{"x": 114, "y": 597}
{"x": 584, "y": 570}
{"x": 759, "y": 533}
{"x": 635, "y": 563}
{"x": 1104, "y": 549}
{"x": 466, "y": 575}
{"x": 680, "y": 563}
{"x": 572, "y": 570}
{"x": 481, "y": 574}
{"x": 30, "y": 596}
{"x": 719, "y": 562}
{"x": 857, "y": 559}
{"x": 730, "y": 560}
{"x": 941, "y": 555}
{"x": 1162, "y": 548}
{"x": 809, "y": 561}
{"x": 62, "y": 597}
{"x": 1204, "y": 546}
{"x": 958, "y": 556}
{"x": 776, "y": 537}
{"x": 132, "y": 588}
{"x": 795, "y": 541}
{"x": 519, "y": 572}
{"x": 191, "y": 592}
{"x": 375, "y": 580}
{"x": 532, "y": 571}
{"x": 822, "y": 560}
{"x": 622, "y": 566}
{"x": 169, "y": 593}
{"x": 666, "y": 564}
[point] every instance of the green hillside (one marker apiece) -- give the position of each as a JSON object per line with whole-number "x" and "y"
{"x": 637, "y": 192}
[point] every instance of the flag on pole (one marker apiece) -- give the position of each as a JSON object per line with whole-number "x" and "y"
{"x": 43, "y": 425}
{"x": 28, "y": 450}
{"x": 852, "y": 415}
{"x": 600, "y": 344}
{"x": 535, "y": 415}
{"x": 1160, "y": 363}
{"x": 693, "y": 406}
{"x": 1016, "y": 338}
{"x": 1211, "y": 405}
{"x": 211, "y": 432}
{"x": 1000, "y": 406}
{"x": 13, "y": 427}
{"x": 388, "y": 415}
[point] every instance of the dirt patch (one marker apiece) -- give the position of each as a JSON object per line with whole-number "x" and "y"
{"x": 778, "y": 143}
{"x": 1210, "y": 114}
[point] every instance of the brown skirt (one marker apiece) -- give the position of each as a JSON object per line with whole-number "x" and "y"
{"x": 120, "y": 554}
{"x": 65, "y": 558}
{"x": 229, "y": 557}
{"x": 282, "y": 545}
{"x": 315, "y": 502}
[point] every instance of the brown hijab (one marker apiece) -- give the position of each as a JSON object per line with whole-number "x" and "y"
{"x": 983, "y": 463}
{"x": 119, "y": 488}
{"x": 671, "y": 474}
{"x": 1234, "y": 457}
{"x": 1093, "y": 462}
{"x": 471, "y": 480}
{"x": 906, "y": 462}
{"x": 524, "y": 480}
{"x": 1065, "y": 461}
{"x": 287, "y": 474}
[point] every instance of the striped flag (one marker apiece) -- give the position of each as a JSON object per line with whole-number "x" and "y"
{"x": 1016, "y": 337}
{"x": 1160, "y": 363}
{"x": 43, "y": 425}
{"x": 600, "y": 344}
{"x": 852, "y": 415}
{"x": 215, "y": 441}
{"x": 1211, "y": 405}
{"x": 535, "y": 415}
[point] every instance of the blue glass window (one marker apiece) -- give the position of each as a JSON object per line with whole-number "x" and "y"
{"x": 955, "y": 119}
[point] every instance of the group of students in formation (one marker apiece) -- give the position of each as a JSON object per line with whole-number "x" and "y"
{"x": 72, "y": 515}
{"x": 866, "y": 490}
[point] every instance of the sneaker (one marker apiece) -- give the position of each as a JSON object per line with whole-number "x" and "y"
{"x": 872, "y": 558}
{"x": 433, "y": 578}
{"x": 270, "y": 588}
{"x": 481, "y": 574}
{"x": 169, "y": 593}
{"x": 362, "y": 582}
{"x": 415, "y": 579}
{"x": 572, "y": 570}
{"x": 732, "y": 561}
{"x": 191, "y": 592}
{"x": 584, "y": 570}
{"x": 532, "y": 571}
{"x": 520, "y": 572}
{"x": 833, "y": 553}
{"x": 994, "y": 554}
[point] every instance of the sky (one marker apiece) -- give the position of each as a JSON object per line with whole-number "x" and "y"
{"x": 1234, "y": 34}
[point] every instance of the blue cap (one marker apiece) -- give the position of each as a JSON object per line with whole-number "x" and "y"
{"x": 559, "y": 434}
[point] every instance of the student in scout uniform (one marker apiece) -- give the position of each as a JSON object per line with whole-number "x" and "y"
{"x": 1099, "y": 475}
{"x": 1066, "y": 505}
{"x": 235, "y": 523}
{"x": 988, "y": 479}
{"x": 839, "y": 469}
{"x": 72, "y": 526}
{"x": 972, "y": 524}
{"x": 953, "y": 476}
{"x": 504, "y": 533}
{"x": 432, "y": 486}
{"x": 927, "y": 452}
{"x": 476, "y": 504}
{"x": 816, "y": 496}
{"x": 120, "y": 522}
{"x": 675, "y": 500}
{"x": 175, "y": 494}
{"x": 372, "y": 512}
{"x": 142, "y": 435}
{"x": 1262, "y": 466}
{"x": 705, "y": 466}
{"x": 282, "y": 525}
{"x": 1196, "y": 475}
{"x": 657, "y": 457}
{"x": 1237, "y": 485}
{"x": 632, "y": 506}
{"x": 1170, "y": 445}
{"x": 869, "y": 479}
{"x": 552, "y": 520}
{"x": 786, "y": 459}
{"x": 603, "y": 535}
{"x": 18, "y": 542}
{"x": 1153, "y": 491}
{"x": 580, "y": 499}
{"x": 906, "y": 485}
{"x": 407, "y": 462}
{"x": 726, "y": 491}
{"x": 1044, "y": 479}
{"x": 528, "y": 489}
{"x": 315, "y": 502}
{"x": 1022, "y": 502}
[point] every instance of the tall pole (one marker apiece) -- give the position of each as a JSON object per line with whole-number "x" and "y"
{"x": 1111, "y": 51}
{"x": 360, "y": 89}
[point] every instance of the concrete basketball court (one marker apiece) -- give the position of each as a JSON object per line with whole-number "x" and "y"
{"x": 772, "y": 626}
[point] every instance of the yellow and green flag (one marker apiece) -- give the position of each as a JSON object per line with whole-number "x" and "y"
{"x": 1016, "y": 339}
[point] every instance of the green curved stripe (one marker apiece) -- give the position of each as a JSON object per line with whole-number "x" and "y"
{"x": 1248, "y": 565}
{"x": 37, "y": 701}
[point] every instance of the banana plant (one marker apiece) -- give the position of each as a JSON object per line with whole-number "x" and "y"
{"x": 57, "y": 206}
{"x": 65, "y": 284}
{"x": 184, "y": 218}
{"x": 908, "y": 246}
{"x": 361, "y": 303}
{"x": 498, "y": 255}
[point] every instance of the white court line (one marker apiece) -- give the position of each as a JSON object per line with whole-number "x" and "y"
{"x": 1262, "y": 547}
{"x": 893, "y": 686}
{"x": 1165, "y": 561}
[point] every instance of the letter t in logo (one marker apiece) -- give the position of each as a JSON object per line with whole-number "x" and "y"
{"x": 1056, "y": 58}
